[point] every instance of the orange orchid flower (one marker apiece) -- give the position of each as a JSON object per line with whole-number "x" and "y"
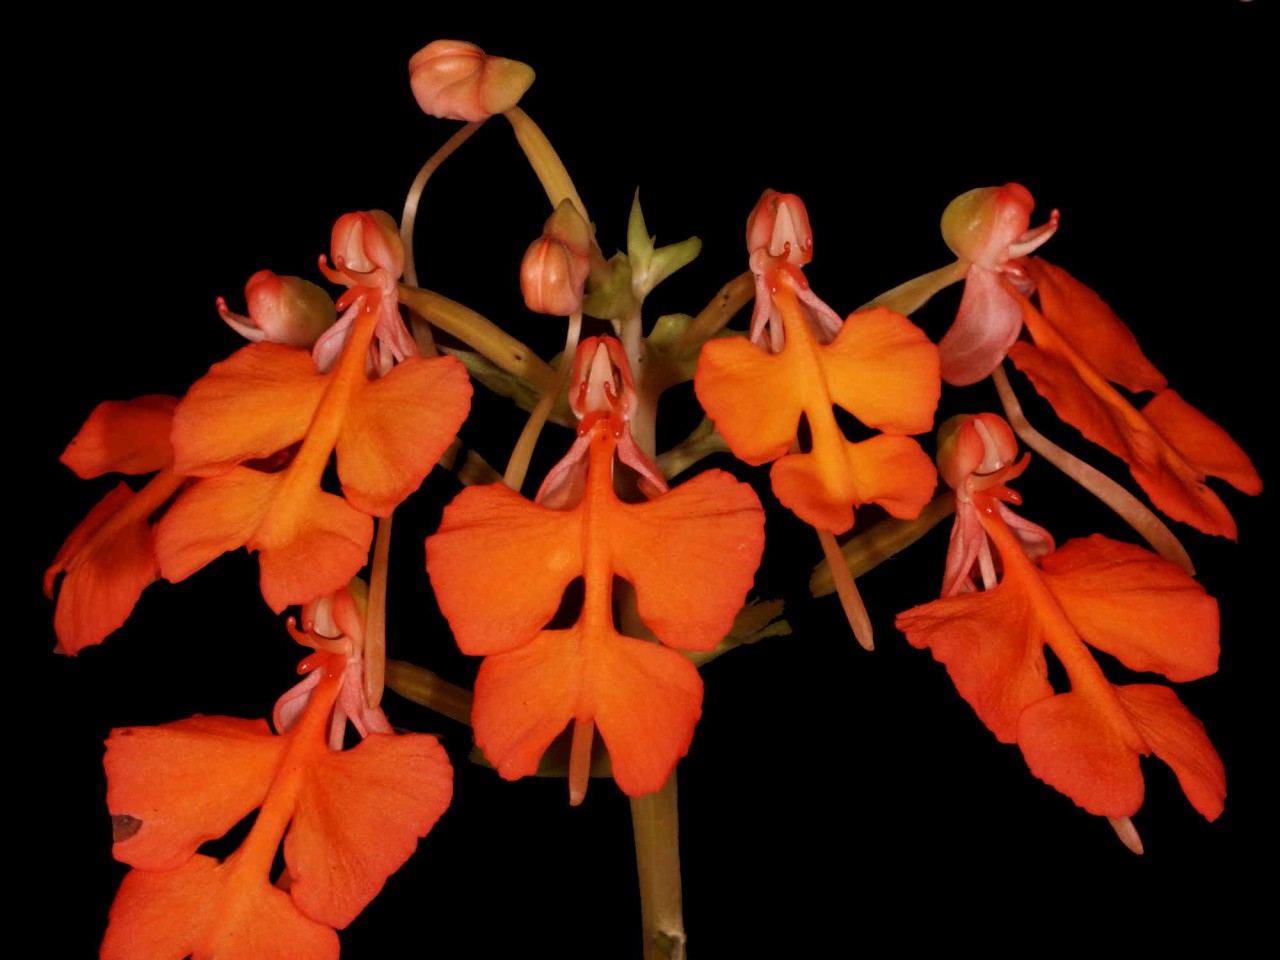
{"x": 690, "y": 553}
{"x": 387, "y": 433}
{"x": 352, "y": 819}
{"x": 109, "y": 559}
{"x": 880, "y": 367}
{"x": 1116, "y": 597}
{"x": 1081, "y": 349}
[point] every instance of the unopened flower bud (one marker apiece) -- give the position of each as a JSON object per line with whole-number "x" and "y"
{"x": 364, "y": 242}
{"x": 980, "y": 226}
{"x": 554, "y": 270}
{"x": 286, "y": 310}
{"x": 456, "y": 80}
{"x": 974, "y": 445}
{"x": 779, "y": 225}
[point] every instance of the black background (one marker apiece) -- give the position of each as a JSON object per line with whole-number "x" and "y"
{"x": 831, "y": 797}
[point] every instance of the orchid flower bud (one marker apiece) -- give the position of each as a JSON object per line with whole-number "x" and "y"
{"x": 363, "y": 243}
{"x": 779, "y": 225}
{"x": 456, "y": 80}
{"x": 286, "y": 310}
{"x": 989, "y": 225}
{"x": 972, "y": 446}
{"x": 554, "y": 271}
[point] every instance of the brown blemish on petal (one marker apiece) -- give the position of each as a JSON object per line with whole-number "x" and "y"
{"x": 124, "y": 826}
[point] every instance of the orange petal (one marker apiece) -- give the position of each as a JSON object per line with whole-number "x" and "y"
{"x": 1092, "y": 328}
{"x": 646, "y": 701}
{"x": 1202, "y": 443}
{"x": 173, "y": 787}
{"x": 1178, "y": 738}
{"x": 259, "y": 400}
{"x": 883, "y": 370}
{"x": 1071, "y": 745}
{"x": 210, "y": 518}
{"x": 200, "y": 910}
{"x": 992, "y": 649}
{"x": 692, "y": 556}
{"x": 821, "y": 487}
{"x": 396, "y": 428}
{"x": 1137, "y": 607}
{"x": 493, "y": 543}
{"x": 359, "y": 815}
{"x": 751, "y": 396}
{"x": 524, "y": 698}
{"x": 309, "y": 547}
{"x": 109, "y": 559}
{"x": 123, "y": 437}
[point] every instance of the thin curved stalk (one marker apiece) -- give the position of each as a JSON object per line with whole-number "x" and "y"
{"x": 907, "y": 298}
{"x": 518, "y": 465}
{"x": 1128, "y": 507}
{"x": 410, "y": 215}
{"x": 375, "y": 622}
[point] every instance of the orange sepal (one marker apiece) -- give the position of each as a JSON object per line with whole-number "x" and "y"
{"x": 1179, "y": 739}
{"x": 123, "y": 437}
{"x": 1141, "y": 609}
{"x": 884, "y": 370}
{"x": 756, "y": 406}
{"x": 173, "y": 787}
{"x": 645, "y": 701}
{"x": 205, "y": 911}
{"x": 823, "y": 486}
{"x": 1071, "y": 744}
{"x": 992, "y": 648}
{"x": 691, "y": 555}
{"x": 494, "y": 543}
{"x": 358, "y": 818}
{"x": 1201, "y": 442}
{"x": 1092, "y": 329}
{"x": 259, "y": 400}
{"x": 1056, "y": 380}
{"x": 396, "y": 428}
{"x": 211, "y": 518}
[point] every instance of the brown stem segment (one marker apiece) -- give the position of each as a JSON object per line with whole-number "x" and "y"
{"x": 656, "y": 823}
{"x": 731, "y": 298}
{"x": 425, "y": 688}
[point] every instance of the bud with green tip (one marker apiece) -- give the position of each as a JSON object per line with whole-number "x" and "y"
{"x": 456, "y": 80}
{"x": 554, "y": 270}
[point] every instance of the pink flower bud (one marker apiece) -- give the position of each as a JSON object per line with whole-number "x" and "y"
{"x": 972, "y": 446}
{"x": 456, "y": 80}
{"x": 987, "y": 226}
{"x": 779, "y": 225}
{"x": 286, "y": 310}
{"x": 363, "y": 243}
{"x": 554, "y": 271}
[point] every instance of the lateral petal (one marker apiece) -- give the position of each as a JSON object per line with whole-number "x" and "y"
{"x": 396, "y": 428}
{"x": 751, "y": 396}
{"x": 259, "y": 400}
{"x": 1057, "y": 381}
{"x": 525, "y": 697}
{"x": 1071, "y": 745}
{"x": 1205, "y": 445}
{"x": 359, "y": 815}
{"x": 210, "y": 518}
{"x": 493, "y": 543}
{"x": 1179, "y": 739}
{"x": 1092, "y": 328}
{"x": 123, "y": 437}
{"x": 883, "y": 370}
{"x": 178, "y": 785}
{"x": 691, "y": 555}
{"x": 1141, "y": 609}
{"x": 205, "y": 911}
{"x": 645, "y": 700}
{"x": 992, "y": 649}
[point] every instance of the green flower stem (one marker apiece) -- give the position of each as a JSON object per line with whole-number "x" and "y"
{"x": 655, "y": 821}
{"x": 907, "y": 298}
{"x": 545, "y": 161}
{"x": 882, "y": 541}
{"x": 1128, "y": 507}
{"x": 426, "y": 689}
{"x": 477, "y": 331}
{"x": 731, "y": 298}
{"x": 410, "y": 215}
